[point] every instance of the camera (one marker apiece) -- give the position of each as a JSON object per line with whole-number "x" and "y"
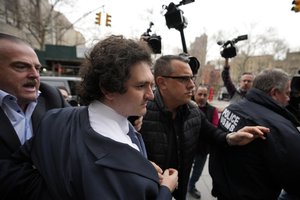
{"x": 174, "y": 16}
{"x": 193, "y": 62}
{"x": 154, "y": 41}
{"x": 229, "y": 49}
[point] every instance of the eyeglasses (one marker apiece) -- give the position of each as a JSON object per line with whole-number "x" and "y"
{"x": 182, "y": 79}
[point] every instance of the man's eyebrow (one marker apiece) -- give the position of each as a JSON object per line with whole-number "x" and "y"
{"x": 25, "y": 63}
{"x": 144, "y": 81}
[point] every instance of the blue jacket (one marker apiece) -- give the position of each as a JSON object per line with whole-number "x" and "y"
{"x": 78, "y": 163}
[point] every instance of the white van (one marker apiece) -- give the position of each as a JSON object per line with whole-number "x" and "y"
{"x": 69, "y": 82}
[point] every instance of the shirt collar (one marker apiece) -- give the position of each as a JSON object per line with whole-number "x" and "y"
{"x": 107, "y": 121}
{"x": 4, "y": 95}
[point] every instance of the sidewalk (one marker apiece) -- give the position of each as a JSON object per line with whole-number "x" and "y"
{"x": 204, "y": 185}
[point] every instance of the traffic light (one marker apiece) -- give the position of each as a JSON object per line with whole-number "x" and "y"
{"x": 98, "y": 18}
{"x": 296, "y": 6}
{"x": 108, "y": 20}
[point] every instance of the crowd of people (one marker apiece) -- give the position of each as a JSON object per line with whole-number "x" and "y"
{"x": 51, "y": 150}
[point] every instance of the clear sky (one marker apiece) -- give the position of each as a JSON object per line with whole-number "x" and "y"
{"x": 231, "y": 17}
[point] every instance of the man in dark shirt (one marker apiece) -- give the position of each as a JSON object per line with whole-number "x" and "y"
{"x": 246, "y": 79}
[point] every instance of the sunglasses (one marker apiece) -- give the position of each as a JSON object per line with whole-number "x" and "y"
{"x": 182, "y": 79}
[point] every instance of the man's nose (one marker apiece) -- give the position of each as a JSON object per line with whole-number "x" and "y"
{"x": 149, "y": 94}
{"x": 191, "y": 84}
{"x": 34, "y": 72}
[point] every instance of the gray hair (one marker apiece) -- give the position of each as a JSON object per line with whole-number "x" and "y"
{"x": 271, "y": 78}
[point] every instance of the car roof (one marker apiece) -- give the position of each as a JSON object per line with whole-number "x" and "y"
{"x": 67, "y": 78}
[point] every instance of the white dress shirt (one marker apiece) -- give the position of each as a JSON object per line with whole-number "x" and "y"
{"x": 107, "y": 122}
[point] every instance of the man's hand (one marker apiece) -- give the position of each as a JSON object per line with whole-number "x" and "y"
{"x": 246, "y": 135}
{"x": 159, "y": 171}
{"x": 138, "y": 123}
{"x": 170, "y": 179}
{"x": 226, "y": 64}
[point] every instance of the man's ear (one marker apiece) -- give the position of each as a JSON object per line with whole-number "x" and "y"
{"x": 108, "y": 95}
{"x": 273, "y": 93}
{"x": 160, "y": 82}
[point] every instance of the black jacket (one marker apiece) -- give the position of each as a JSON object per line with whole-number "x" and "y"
{"x": 49, "y": 98}
{"x": 209, "y": 111}
{"x": 260, "y": 169}
{"x": 157, "y": 128}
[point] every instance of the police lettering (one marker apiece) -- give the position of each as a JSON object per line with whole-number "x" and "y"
{"x": 229, "y": 120}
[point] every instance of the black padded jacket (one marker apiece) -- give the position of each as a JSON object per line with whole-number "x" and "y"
{"x": 157, "y": 127}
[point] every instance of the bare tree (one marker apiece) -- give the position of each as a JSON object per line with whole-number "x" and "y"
{"x": 37, "y": 18}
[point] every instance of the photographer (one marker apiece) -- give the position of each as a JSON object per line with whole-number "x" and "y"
{"x": 246, "y": 79}
{"x": 229, "y": 50}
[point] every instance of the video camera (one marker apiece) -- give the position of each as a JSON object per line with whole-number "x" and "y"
{"x": 174, "y": 16}
{"x": 229, "y": 49}
{"x": 154, "y": 41}
{"x": 193, "y": 62}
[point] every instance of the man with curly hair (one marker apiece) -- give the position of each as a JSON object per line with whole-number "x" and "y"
{"x": 93, "y": 152}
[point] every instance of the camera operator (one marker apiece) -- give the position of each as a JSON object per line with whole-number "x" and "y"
{"x": 246, "y": 79}
{"x": 229, "y": 50}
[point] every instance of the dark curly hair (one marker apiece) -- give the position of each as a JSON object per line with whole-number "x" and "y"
{"x": 108, "y": 64}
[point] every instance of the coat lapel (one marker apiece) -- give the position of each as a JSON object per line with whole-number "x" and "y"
{"x": 7, "y": 133}
{"x": 38, "y": 113}
{"x": 119, "y": 156}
